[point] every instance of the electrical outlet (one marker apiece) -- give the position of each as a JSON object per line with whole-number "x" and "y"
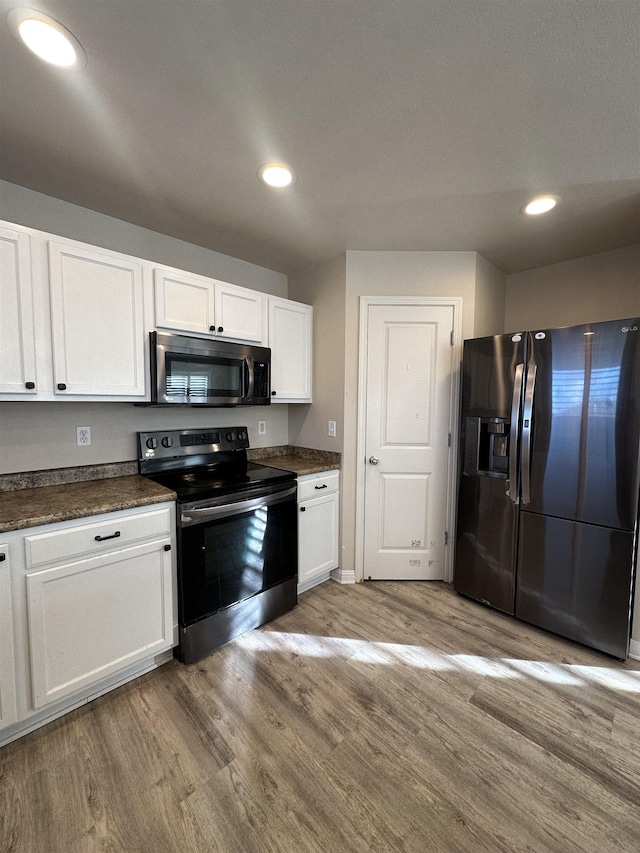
{"x": 262, "y": 427}
{"x": 332, "y": 429}
{"x": 83, "y": 436}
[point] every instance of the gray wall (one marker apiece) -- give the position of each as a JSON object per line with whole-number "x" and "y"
{"x": 605, "y": 286}
{"x": 35, "y": 210}
{"x": 324, "y": 287}
{"x": 489, "y": 298}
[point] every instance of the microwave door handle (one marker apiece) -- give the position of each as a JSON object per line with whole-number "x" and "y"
{"x": 248, "y": 379}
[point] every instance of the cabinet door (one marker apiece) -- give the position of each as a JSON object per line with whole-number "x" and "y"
{"x": 317, "y": 537}
{"x": 184, "y": 303}
{"x": 95, "y": 617}
{"x": 7, "y": 661}
{"x": 290, "y": 339}
{"x": 240, "y": 313}
{"x": 97, "y": 322}
{"x": 17, "y": 339}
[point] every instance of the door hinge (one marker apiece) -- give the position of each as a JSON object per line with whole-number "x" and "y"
{"x": 451, "y": 337}
{"x": 449, "y": 440}
{"x": 446, "y": 537}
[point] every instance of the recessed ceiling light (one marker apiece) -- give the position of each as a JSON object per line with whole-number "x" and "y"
{"x": 276, "y": 175}
{"x": 48, "y": 39}
{"x": 540, "y": 205}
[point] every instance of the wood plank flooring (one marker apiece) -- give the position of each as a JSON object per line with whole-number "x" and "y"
{"x": 375, "y": 717}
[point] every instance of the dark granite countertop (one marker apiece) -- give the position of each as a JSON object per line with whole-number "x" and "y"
{"x": 23, "y": 508}
{"x": 298, "y": 464}
{"x": 300, "y": 460}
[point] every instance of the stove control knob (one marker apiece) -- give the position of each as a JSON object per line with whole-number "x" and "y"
{"x": 242, "y": 435}
{"x": 230, "y": 436}
{"x": 167, "y": 441}
{"x": 152, "y": 443}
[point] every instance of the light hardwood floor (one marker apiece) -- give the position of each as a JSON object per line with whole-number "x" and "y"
{"x": 375, "y": 717}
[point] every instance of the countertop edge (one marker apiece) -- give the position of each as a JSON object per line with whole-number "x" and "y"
{"x": 92, "y": 507}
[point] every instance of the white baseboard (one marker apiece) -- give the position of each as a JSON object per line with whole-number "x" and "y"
{"x": 305, "y": 585}
{"x": 634, "y": 649}
{"x": 342, "y": 576}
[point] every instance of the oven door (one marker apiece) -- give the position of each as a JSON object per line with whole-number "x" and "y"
{"x": 234, "y": 548}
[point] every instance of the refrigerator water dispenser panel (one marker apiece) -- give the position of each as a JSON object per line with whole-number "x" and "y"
{"x": 486, "y": 448}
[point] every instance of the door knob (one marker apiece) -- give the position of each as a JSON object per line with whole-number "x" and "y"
{"x": 373, "y": 460}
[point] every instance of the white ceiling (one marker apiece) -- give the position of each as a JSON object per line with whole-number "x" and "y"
{"x": 412, "y": 124}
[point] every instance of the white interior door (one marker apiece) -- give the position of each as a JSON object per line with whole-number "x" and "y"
{"x": 407, "y": 411}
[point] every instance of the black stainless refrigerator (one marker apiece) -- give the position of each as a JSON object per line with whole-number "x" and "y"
{"x": 549, "y": 486}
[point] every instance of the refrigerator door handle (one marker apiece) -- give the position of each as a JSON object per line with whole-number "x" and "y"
{"x": 512, "y": 493}
{"x": 527, "y": 426}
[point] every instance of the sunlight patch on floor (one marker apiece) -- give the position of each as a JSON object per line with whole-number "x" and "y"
{"x": 421, "y": 657}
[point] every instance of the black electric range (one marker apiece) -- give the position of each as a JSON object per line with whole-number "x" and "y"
{"x": 236, "y": 533}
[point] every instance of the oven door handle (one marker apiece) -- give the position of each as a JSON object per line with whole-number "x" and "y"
{"x": 195, "y": 516}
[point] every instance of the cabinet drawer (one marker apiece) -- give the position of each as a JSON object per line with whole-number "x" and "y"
{"x": 315, "y": 485}
{"x": 88, "y": 539}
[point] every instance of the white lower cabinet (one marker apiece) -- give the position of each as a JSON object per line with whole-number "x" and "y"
{"x": 318, "y": 527}
{"x": 8, "y": 712}
{"x": 94, "y": 605}
{"x": 91, "y": 618}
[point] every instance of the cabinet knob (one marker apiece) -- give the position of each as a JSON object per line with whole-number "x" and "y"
{"x": 30, "y": 385}
{"x": 3, "y": 557}
{"x": 273, "y": 393}
{"x": 62, "y": 386}
{"x": 212, "y": 328}
{"x": 303, "y": 509}
{"x": 220, "y": 329}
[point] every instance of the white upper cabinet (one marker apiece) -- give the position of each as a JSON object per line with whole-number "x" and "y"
{"x": 291, "y": 341}
{"x": 17, "y": 336}
{"x": 187, "y": 302}
{"x": 240, "y": 313}
{"x": 97, "y": 322}
{"x": 184, "y": 303}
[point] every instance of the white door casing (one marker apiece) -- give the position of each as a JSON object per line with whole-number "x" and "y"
{"x": 408, "y": 407}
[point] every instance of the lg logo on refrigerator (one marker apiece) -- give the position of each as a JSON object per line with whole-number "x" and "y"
{"x": 629, "y": 328}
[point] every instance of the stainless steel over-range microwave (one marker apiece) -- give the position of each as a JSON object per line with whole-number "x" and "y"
{"x": 199, "y": 372}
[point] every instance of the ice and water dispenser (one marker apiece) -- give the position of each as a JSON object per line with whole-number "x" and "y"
{"x": 486, "y": 448}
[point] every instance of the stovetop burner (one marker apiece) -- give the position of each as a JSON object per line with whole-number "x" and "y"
{"x": 200, "y": 463}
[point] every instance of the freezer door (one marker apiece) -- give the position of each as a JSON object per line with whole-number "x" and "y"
{"x": 576, "y": 580}
{"x": 585, "y": 424}
{"x": 492, "y": 374}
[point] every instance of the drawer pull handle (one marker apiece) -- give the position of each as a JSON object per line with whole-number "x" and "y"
{"x": 103, "y": 538}
{"x": 324, "y": 486}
